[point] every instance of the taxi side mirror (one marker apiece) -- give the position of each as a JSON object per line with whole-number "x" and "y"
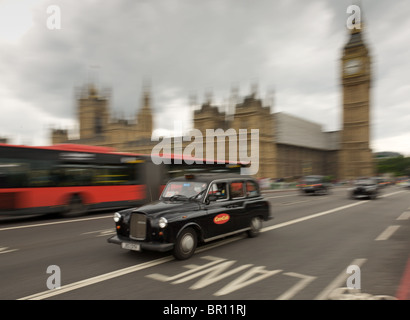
{"x": 210, "y": 198}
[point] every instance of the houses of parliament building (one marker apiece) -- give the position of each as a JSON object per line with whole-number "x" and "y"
{"x": 289, "y": 147}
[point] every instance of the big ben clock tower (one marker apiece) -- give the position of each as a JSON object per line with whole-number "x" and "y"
{"x": 355, "y": 155}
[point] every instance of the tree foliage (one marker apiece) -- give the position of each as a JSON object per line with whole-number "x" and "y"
{"x": 398, "y": 166}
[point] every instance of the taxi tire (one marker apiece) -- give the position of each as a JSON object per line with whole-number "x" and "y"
{"x": 255, "y": 227}
{"x": 185, "y": 244}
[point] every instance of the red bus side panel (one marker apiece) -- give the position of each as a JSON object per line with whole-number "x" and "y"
{"x": 24, "y": 198}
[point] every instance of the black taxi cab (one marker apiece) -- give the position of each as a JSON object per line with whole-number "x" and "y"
{"x": 193, "y": 209}
{"x": 365, "y": 188}
{"x": 314, "y": 184}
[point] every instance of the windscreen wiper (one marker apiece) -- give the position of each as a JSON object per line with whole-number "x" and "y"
{"x": 178, "y": 197}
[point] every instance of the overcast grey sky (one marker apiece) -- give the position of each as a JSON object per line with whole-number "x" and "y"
{"x": 185, "y": 47}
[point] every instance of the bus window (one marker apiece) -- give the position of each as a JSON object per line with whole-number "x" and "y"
{"x": 114, "y": 175}
{"x": 13, "y": 173}
{"x": 71, "y": 175}
{"x": 39, "y": 175}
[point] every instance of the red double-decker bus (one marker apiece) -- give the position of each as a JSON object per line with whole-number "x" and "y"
{"x": 74, "y": 179}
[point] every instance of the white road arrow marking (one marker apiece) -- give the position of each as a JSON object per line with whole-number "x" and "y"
{"x": 305, "y": 280}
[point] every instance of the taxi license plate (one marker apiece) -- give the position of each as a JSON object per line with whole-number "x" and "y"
{"x": 131, "y": 246}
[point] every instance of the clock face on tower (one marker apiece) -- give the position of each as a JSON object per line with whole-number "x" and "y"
{"x": 352, "y": 66}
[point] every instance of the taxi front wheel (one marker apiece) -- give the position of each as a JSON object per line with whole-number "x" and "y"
{"x": 185, "y": 244}
{"x": 255, "y": 227}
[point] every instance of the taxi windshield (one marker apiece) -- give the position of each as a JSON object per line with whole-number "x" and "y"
{"x": 364, "y": 182}
{"x": 184, "y": 190}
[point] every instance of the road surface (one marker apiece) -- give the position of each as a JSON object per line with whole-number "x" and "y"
{"x": 313, "y": 249}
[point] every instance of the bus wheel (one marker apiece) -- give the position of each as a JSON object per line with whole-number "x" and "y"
{"x": 75, "y": 207}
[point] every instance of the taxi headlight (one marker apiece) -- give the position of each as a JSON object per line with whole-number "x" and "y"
{"x": 117, "y": 217}
{"x": 162, "y": 222}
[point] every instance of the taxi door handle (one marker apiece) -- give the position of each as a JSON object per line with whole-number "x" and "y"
{"x": 233, "y": 206}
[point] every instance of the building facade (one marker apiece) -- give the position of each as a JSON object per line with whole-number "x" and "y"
{"x": 288, "y": 146}
{"x": 98, "y": 128}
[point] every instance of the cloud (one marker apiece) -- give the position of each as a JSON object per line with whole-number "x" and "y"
{"x": 184, "y": 48}
{"x": 396, "y": 142}
{"x": 15, "y": 19}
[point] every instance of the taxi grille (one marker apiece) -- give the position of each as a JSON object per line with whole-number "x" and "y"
{"x": 138, "y": 226}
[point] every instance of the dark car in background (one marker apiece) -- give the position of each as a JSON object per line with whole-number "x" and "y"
{"x": 365, "y": 188}
{"x": 193, "y": 209}
{"x": 405, "y": 184}
{"x": 314, "y": 184}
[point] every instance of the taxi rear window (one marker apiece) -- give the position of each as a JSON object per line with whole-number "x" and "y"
{"x": 251, "y": 189}
{"x": 237, "y": 190}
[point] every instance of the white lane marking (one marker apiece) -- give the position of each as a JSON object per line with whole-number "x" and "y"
{"x": 296, "y": 202}
{"x": 4, "y": 250}
{"x": 117, "y": 273}
{"x": 312, "y": 216}
{"x": 390, "y": 194}
{"x": 404, "y": 216}
{"x": 274, "y": 197}
{"x": 339, "y": 281}
{"x": 110, "y": 275}
{"x": 387, "y": 233}
{"x": 100, "y": 278}
{"x": 305, "y": 280}
{"x": 52, "y": 223}
{"x": 315, "y": 215}
{"x": 101, "y": 233}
